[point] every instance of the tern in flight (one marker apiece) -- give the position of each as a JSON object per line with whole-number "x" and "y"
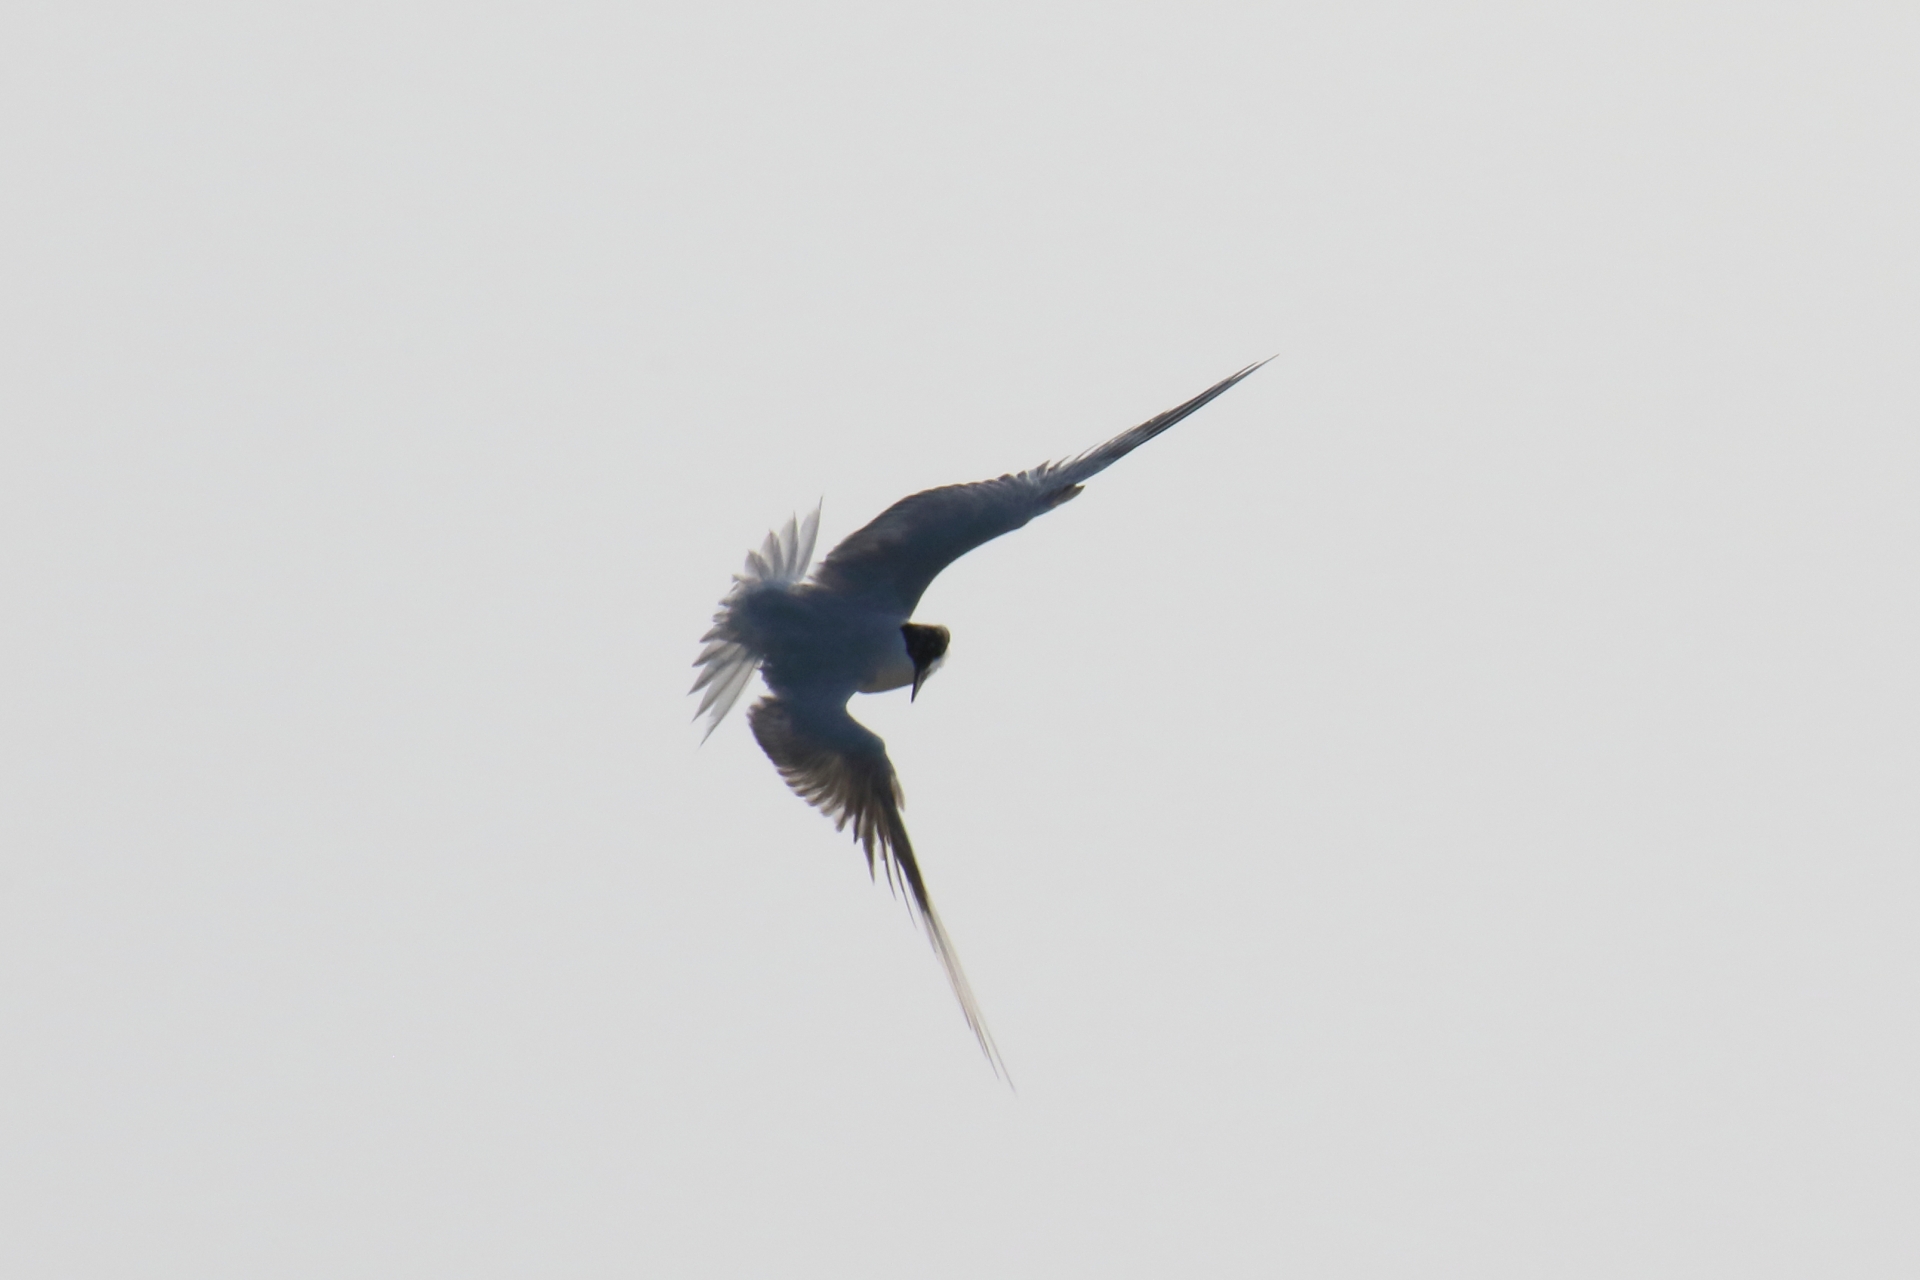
{"x": 818, "y": 641}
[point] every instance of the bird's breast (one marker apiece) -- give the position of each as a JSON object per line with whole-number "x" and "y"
{"x": 891, "y": 666}
{"x": 894, "y": 670}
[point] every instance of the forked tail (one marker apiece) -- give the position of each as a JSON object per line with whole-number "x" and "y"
{"x": 726, "y": 664}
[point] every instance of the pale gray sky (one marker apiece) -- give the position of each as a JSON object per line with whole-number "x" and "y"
{"x": 1447, "y": 809}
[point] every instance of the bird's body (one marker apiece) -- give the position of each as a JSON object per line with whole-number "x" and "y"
{"x": 818, "y": 641}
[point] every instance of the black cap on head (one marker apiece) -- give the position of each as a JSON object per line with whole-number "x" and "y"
{"x": 926, "y": 646}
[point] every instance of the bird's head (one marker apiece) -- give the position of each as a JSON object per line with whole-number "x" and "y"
{"x": 927, "y": 646}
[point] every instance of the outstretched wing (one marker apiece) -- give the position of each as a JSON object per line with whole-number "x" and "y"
{"x": 893, "y": 558}
{"x": 841, "y": 768}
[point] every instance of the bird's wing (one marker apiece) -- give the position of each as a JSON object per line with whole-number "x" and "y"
{"x": 905, "y": 547}
{"x": 839, "y": 766}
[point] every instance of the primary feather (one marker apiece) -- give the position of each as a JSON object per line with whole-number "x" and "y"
{"x": 903, "y": 549}
{"x": 840, "y": 767}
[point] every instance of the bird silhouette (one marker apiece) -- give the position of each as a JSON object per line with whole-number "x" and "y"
{"x": 847, "y": 629}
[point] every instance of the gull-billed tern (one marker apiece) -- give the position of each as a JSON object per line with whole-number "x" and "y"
{"x": 818, "y": 641}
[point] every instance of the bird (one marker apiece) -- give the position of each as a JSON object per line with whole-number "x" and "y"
{"x": 817, "y": 639}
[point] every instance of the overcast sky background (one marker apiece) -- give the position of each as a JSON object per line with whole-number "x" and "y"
{"x": 1448, "y": 809}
